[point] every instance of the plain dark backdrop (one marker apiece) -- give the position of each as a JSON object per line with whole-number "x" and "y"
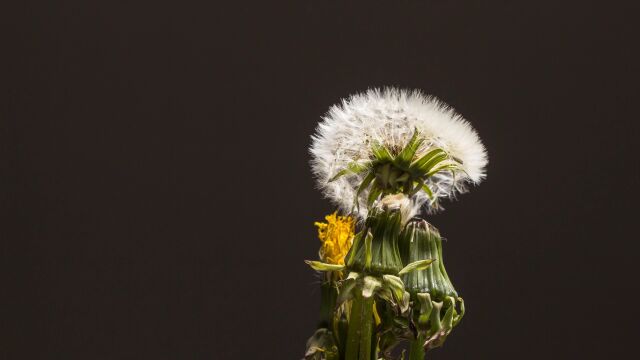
{"x": 158, "y": 201}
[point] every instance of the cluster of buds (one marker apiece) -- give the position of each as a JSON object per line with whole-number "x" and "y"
{"x": 396, "y": 289}
{"x": 386, "y": 284}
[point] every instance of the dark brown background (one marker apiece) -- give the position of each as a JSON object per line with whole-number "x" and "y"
{"x": 158, "y": 200}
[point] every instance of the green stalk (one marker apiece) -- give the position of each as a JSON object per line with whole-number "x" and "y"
{"x": 360, "y": 333}
{"x": 416, "y": 349}
{"x": 367, "y": 329}
{"x": 328, "y": 295}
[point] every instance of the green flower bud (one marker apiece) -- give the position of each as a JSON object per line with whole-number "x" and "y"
{"x": 437, "y": 308}
{"x": 375, "y": 248}
{"x": 421, "y": 241}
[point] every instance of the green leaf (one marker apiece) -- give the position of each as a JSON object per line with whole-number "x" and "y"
{"x": 416, "y": 265}
{"x": 320, "y": 266}
{"x": 403, "y": 160}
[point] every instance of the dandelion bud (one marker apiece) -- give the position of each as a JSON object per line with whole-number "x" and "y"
{"x": 375, "y": 248}
{"x": 437, "y": 308}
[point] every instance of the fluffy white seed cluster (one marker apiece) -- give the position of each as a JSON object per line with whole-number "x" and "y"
{"x": 389, "y": 117}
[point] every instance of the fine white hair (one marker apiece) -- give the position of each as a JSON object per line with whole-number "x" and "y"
{"x": 389, "y": 117}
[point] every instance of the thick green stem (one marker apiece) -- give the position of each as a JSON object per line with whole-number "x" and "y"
{"x": 416, "y": 349}
{"x": 360, "y": 334}
{"x": 328, "y": 294}
{"x": 367, "y": 329}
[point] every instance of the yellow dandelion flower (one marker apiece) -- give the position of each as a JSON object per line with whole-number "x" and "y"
{"x": 336, "y": 236}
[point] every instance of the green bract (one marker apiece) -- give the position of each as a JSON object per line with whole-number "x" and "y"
{"x": 375, "y": 248}
{"x": 392, "y": 171}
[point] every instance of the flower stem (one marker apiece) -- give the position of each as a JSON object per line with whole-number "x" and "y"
{"x": 360, "y": 333}
{"x": 416, "y": 349}
{"x": 328, "y": 295}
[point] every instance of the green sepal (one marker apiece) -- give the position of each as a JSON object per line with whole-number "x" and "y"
{"x": 427, "y": 191}
{"x": 381, "y": 153}
{"x": 374, "y": 193}
{"x": 447, "y": 319}
{"x": 424, "y": 301}
{"x": 395, "y": 284}
{"x": 460, "y": 315}
{"x": 382, "y": 175}
{"x": 346, "y": 288}
{"x": 403, "y": 160}
{"x": 437, "y": 169}
{"x": 416, "y": 265}
{"x": 354, "y": 246}
{"x": 352, "y": 168}
{"x": 428, "y": 161}
{"x": 320, "y": 266}
{"x": 365, "y": 183}
{"x": 435, "y": 322}
{"x": 369, "y": 286}
{"x": 367, "y": 251}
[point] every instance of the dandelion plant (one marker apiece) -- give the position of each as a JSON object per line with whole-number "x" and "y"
{"x": 384, "y": 157}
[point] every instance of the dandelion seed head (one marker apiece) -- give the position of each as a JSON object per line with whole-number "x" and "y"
{"x": 389, "y": 117}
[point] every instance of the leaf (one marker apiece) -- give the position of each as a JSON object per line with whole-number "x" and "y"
{"x": 403, "y": 160}
{"x": 416, "y": 265}
{"x": 320, "y": 266}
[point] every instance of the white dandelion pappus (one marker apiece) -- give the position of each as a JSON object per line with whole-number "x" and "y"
{"x": 390, "y": 117}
